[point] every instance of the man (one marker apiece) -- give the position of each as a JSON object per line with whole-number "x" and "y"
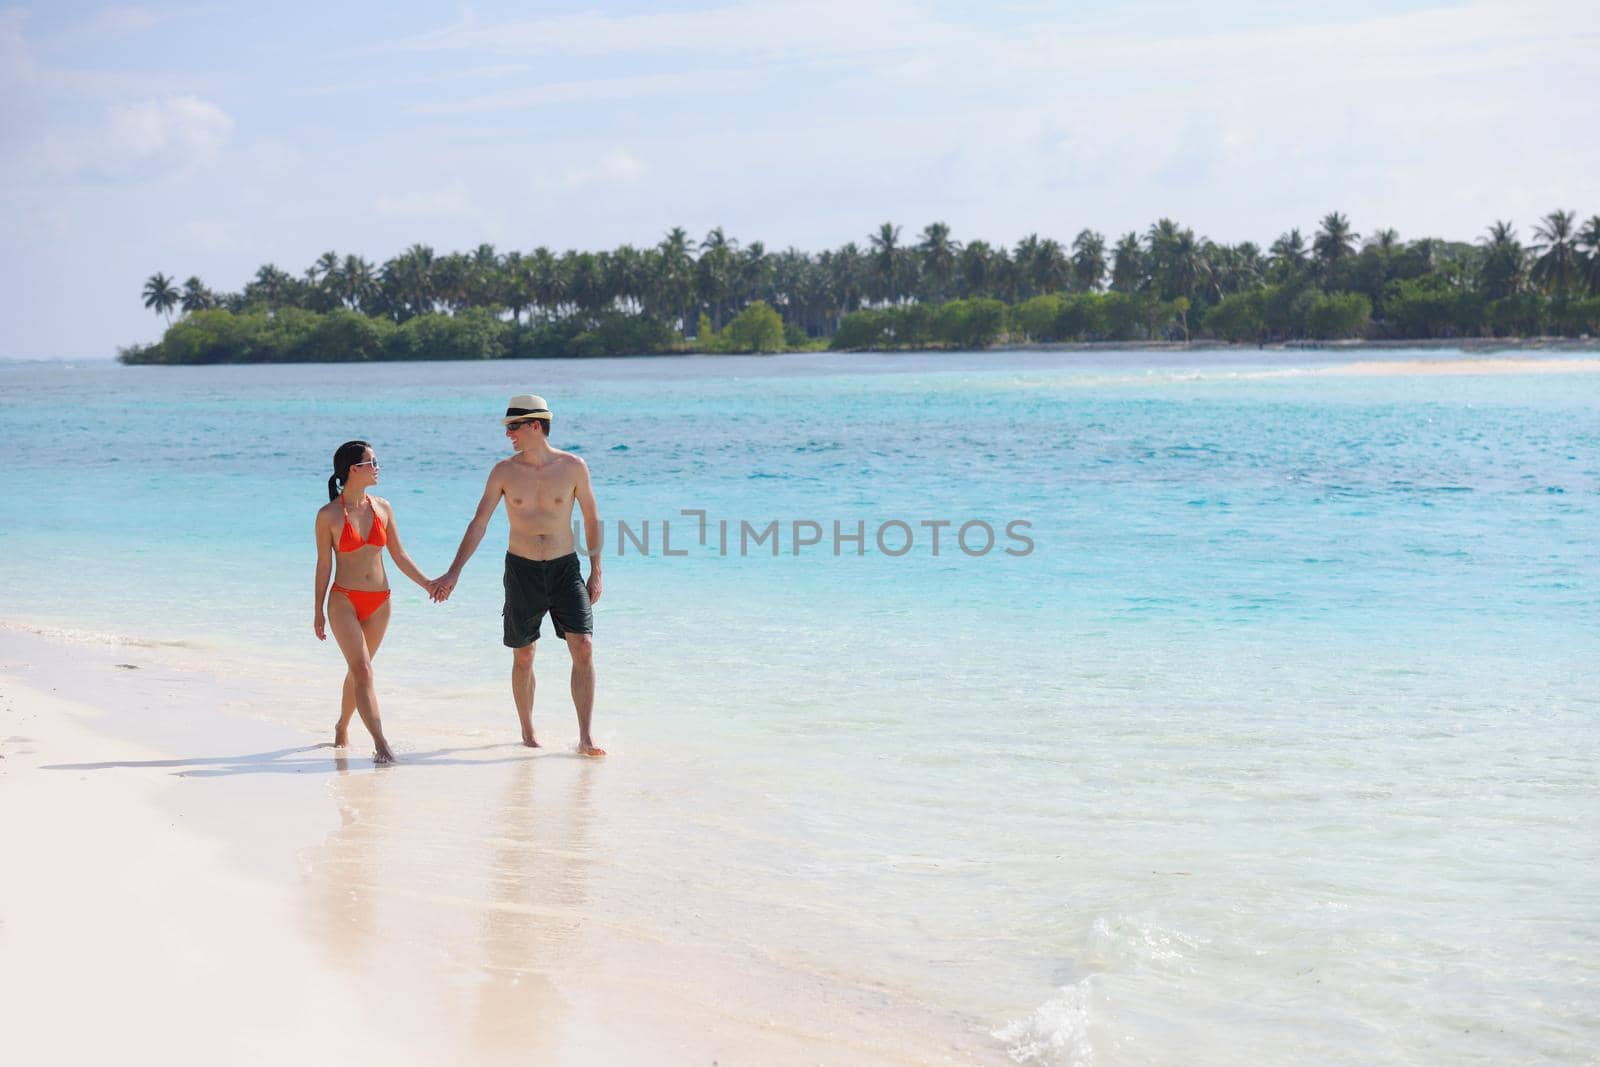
{"x": 539, "y": 485}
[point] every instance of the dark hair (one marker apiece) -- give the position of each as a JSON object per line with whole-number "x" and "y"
{"x": 348, "y": 453}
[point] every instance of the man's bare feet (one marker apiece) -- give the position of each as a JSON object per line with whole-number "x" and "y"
{"x": 382, "y": 757}
{"x": 531, "y": 741}
{"x": 587, "y": 748}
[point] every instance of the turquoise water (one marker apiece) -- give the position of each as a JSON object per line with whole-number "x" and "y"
{"x": 1281, "y": 739}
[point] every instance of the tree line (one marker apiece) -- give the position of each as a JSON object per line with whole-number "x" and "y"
{"x": 719, "y": 295}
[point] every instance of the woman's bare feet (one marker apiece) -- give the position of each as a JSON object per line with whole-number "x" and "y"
{"x": 588, "y": 748}
{"x": 341, "y": 737}
{"x": 382, "y": 757}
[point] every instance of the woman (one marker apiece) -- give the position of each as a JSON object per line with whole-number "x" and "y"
{"x": 352, "y": 530}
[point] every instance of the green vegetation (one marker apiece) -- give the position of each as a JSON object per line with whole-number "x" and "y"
{"x": 1164, "y": 285}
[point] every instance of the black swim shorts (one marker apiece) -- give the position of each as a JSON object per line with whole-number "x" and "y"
{"x": 535, "y": 586}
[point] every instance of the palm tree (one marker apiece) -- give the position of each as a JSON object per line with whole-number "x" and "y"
{"x": 1233, "y": 269}
{"x": 1386, "y": 241}
{"x": 938, "y": 254}
{"x": 549, "y": 285}
{"x": 714, "y": 273}
{"x": 358, "y": 287}
{"x": 1558, "y": 265}
{"x": 409, "y": 281}
{"x": 1177, "y": 266}
{"x": 196, "y": 297}
{"x": 847, "y": 274}
{"x": 271, "y": 286}
{"x": 976, "y": 270}
{"x": 160, "y": 295}
{"x": 481, "y": 283}
{"x": 515, "y": 290}
{"x": 1127, "y": 264}
{"x": 1334, "y": 240}
{"x": 677, "y": 280}
{"x": 752, "y": 274}
{"x": 1088, "y": 260}
{"x": 1288, "y": 252}
{"x": 886, "y": 262}
{"x": 1006, "y": 279}
{"x": 1503, "y": 269}
{"x": 1042, "y": 264}
{"x": 325, "y": 269}
{"x": 1589, "y": 238}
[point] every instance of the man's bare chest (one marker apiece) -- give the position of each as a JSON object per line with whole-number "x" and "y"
{"x": 540, "y": 491}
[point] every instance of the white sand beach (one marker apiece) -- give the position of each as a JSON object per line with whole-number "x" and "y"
{"x": 1399, "y": 368}
{"x": 219, "y": 891}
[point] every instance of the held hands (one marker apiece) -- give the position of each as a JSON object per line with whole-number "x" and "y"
{"x": 440, "y": 588}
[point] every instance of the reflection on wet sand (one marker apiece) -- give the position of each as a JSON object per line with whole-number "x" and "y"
{"x": 345, "y": 909}
{"x": 537, "y": 871}
{"x": 482, "y": 868}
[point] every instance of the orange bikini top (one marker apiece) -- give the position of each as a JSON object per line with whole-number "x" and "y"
{"x": 349, "y": 540}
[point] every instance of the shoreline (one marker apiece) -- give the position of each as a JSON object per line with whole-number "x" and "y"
{"x": 1471, "y": 345}
{"x": 470, "y": 903}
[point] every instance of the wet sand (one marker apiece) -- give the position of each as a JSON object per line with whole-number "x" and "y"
{"x": 199, "y": 883}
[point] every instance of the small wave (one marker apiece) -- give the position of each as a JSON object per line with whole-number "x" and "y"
{"x": 67, "y": 636}
{"x": 1056, "y": 1034}
{"x": 1124, "y": 939}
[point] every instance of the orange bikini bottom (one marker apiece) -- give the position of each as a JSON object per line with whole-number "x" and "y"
{"x": 363, "y": 600}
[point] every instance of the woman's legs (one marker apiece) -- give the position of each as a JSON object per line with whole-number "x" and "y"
{"x": 352, "y": 638}
{"x": 374, "y": 628}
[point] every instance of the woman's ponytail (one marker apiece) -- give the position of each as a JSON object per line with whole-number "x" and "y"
{"x": 347, "y": 454}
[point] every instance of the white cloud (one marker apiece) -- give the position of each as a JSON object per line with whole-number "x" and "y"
{"x": 616, "y": 167}
{"x": 274, "y": 159}
{"x": 19, "y": 67}
{"x": 124, "y": 20}
{"x": 16, "y": 62}
{"x": 211, "y": 235}
{"x": 764, "y": 27}
{"x": 177, "y": 133}
{"x": 389, "y": 83}
{"x": 596, "y": 89}
{"x": 425, "y": 204}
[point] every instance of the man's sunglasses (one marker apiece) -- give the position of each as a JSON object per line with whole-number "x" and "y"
{"x": 521, "y": 424}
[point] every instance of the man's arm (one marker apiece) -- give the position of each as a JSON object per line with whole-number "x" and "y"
{"x": 593, "y": 536}
{"x": 470, "y": 540}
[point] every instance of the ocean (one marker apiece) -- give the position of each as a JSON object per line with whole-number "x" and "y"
{"x": 1244, "y": 711}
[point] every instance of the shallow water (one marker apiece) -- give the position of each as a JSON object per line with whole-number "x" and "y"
{"x": 1278, "y": 744}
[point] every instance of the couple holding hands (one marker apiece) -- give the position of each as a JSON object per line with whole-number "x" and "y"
{"x": 539, "y": 484}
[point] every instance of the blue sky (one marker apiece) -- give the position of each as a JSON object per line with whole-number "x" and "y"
{"x": 209, "y": 139}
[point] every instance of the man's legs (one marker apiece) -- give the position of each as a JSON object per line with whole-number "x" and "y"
{"x": 582, "y": 648}
{"x": 522, "y": 691}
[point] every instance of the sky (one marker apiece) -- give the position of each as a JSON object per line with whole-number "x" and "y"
{"x": 210, "y": 139}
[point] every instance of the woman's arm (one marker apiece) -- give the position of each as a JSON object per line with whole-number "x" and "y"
{"x": 319, "y": 622}
{"x": 398, "y": 553}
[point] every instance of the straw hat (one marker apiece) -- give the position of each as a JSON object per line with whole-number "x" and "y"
{"x": 525, "y": 406}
